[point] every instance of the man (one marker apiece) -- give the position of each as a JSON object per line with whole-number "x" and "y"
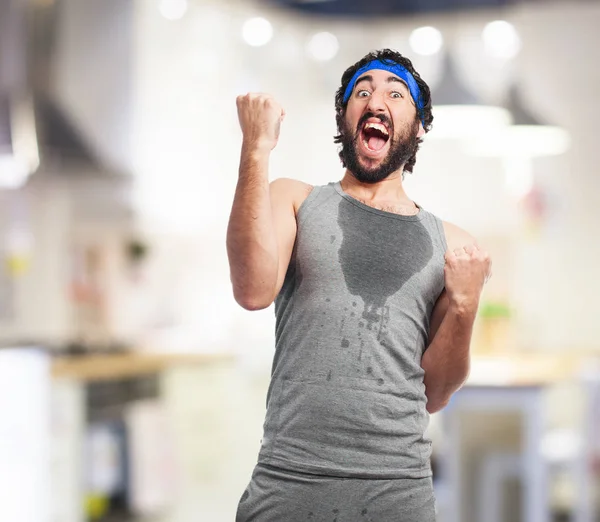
{"x": 375, "y": 300}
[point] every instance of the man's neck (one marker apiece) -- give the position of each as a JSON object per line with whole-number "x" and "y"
{"x": 388, "y": 194}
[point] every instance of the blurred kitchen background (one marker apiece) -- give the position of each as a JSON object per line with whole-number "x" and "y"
{"x": 132, "y": 387}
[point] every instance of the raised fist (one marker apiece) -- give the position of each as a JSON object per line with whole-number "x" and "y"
{"x": 260, "y": 119}
{"x": 466, "y": 271}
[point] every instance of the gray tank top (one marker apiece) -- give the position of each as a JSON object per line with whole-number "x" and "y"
{"x": 346, "y": 396}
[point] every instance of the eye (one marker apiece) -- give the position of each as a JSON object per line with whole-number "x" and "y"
{"x": 396, "y": 94}
{"x": 362, "y": 93}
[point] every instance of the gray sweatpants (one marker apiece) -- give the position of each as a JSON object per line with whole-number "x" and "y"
{"x": 276, "y": 495}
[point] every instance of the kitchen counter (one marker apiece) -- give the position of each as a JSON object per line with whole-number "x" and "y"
{"x": 531, "y": 369}
{"x": 100, "y": 367}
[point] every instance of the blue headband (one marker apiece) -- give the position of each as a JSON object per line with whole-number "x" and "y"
{"x": 399, "y": 71}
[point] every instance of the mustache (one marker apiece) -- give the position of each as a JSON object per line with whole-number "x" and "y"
{"x": 381, "y": 117}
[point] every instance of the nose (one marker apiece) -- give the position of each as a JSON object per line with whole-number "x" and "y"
{"x": 376, "y": 103}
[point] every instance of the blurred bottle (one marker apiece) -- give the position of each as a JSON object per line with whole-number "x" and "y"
{"x": 493, "y": 331}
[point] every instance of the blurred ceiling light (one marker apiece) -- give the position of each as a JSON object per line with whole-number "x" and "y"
{"x": 323, "y": 46}
{"x": 426, "y": 41}
{"x": 13, "y": 172}
{"x": 501, "y": 40}
{"x": 458, "y": 112}
{"x": 19, "y": 155}
{"x": 173, "y": 9}
{"x": 517, "y": 144}
{"x": 257, "y": 31}
{"x": 527, "y": 137}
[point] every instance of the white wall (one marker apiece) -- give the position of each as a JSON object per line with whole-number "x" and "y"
{"x": 555, "y": 67}
{"x": 40, "y": 308}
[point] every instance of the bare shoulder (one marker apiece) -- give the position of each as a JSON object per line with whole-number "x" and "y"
{"x": 457, "y": 237}
{"x": 290, "y": 190}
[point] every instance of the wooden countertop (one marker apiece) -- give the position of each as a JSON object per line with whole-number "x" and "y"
{"x": 535, "y": 369}
{"x": 511, "y": 369}
{"x": 116, "y": 366}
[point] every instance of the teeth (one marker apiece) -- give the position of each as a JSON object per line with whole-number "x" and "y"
{"x": 377, "y": 126}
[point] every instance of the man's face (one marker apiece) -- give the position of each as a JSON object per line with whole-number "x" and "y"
{"x": 381, "y": 130}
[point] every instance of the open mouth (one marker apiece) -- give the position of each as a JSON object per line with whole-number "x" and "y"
{"x": 374, "y": 136}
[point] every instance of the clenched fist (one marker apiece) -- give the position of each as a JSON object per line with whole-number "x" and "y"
{"x": 260, "y": 119}
{"x": 466, "y": 271}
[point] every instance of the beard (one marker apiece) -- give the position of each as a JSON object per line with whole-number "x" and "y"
{"x": 402, "y": 147}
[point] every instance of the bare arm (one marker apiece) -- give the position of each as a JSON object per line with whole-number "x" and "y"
{"x": 260, "y": 240}
{"x": 447, "y": 359}
{"x": 262, "y": 224}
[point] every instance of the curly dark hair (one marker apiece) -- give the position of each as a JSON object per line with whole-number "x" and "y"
{"x": 385, "y": 55}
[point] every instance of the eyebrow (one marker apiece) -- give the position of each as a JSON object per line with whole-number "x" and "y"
{"x": 390, "y": 79}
